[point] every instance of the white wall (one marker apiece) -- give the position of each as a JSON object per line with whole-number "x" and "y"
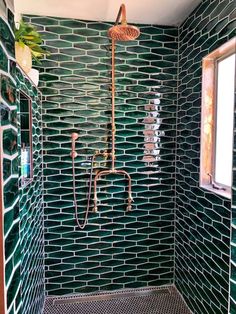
{"x": 162, "y": 12}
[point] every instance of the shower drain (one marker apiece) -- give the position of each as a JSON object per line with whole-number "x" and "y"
{"x": 110, "y": 296}
{"x": 155, "y": 300}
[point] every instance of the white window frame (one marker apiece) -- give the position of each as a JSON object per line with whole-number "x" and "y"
{"x": 208, "y": 118}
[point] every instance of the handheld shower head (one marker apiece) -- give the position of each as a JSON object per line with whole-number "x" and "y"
{"x": 123, "y": 31}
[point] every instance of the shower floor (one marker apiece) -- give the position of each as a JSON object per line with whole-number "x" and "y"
{"x": 164, "y": 300}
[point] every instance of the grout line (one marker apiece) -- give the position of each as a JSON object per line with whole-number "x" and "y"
{"x": 183, "y": 299}
{"x": 3, "y": 297}
{"x": 175, "y": 161}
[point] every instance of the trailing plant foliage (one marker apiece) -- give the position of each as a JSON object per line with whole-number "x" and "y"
{"x": 27, "y": 35}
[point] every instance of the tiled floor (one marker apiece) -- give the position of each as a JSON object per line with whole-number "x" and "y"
{"x": 164, "y": 300}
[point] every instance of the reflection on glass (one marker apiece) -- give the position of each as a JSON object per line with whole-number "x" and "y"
{"x": 152, "y": 134}
{"x": 26, "y": 139}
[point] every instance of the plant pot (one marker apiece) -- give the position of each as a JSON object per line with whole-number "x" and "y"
{"x": 34, "y": 76}
{"x": 23, "y": 57}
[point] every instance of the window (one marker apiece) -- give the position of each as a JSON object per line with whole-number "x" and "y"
{"x": 26, "y": 139}
{"x": 218, "y": 119}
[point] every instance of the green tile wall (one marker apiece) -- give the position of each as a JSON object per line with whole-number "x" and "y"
{"x": 115, "y": 250}
{"x": 23, "y": 211}
{"x": 31, "y": 212}
{"x": 8, "y": 132}
{"x": 233, "y": 228}
{"x": 203, "y": 218}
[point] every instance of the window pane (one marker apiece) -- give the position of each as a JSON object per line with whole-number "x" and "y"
{"x": 224, "y": 120}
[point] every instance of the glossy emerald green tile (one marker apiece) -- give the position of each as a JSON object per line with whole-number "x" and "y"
{"x": 5, "y": 115}
{"x": 72, "y": 65}
{"x": 12, "y": 291}
{"x": 57, "y": 30}
{"x": 99, "y": 67}
{"x": 6, "y": 168}
{"x": 99, "y": 40}
{"x": 58, "y": 71}
{"x": 6, "y": 37}
{"x": 58, "y": 43}
{"x": 86, "y": 59}
{"x": 9, "y": 141}
{"x": 43, "y": 20}
{"x": 99, "y": 26}
{"x": 71, "y": 24}
{"x": 3, "y": 60}
{"x": 8, "y": 90}
{"x": 48, "y": 77}
{"x": 83, "y": 73}
{"x": 70, "y": 52}
{"x": 11, "y": 239}
{"x": 8, "y": 270}
{"x": 46, "y": 35}
{"x": 72, "y": 38}
{"x": 86, "y": 32}
{"x": 10, "y": 18}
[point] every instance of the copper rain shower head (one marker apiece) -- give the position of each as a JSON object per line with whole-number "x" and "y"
{"x": 123, "y": 31}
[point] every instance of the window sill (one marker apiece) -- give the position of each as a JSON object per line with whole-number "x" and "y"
{"x": 224, "y": 193}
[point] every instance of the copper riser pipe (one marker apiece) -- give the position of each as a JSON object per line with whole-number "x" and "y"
{"x": 112, "y": 154}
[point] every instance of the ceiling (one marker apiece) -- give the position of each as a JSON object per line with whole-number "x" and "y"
{"x": 162, "y": 12}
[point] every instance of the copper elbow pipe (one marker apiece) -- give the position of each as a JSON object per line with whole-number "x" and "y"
{"x": 123, "y": 31}
{"x": 122, "y": 14}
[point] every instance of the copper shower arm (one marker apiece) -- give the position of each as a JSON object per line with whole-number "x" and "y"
{"x": 122, "y": 14}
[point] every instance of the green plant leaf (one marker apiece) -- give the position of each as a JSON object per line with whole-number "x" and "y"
{"x": 28, "y": 35}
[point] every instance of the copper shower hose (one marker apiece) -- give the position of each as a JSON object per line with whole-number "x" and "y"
{"x": 81, "y": 226}
{"x": 74, "y": 155}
